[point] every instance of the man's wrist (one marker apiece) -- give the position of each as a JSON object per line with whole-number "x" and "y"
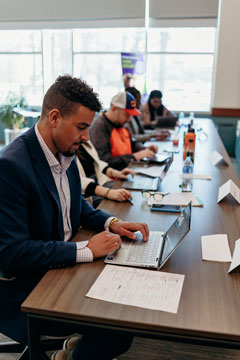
{"x": 113, "y": 221}
{"x": 110, "y": 221}
{"x": 106, "y": 193}
{"x": 83, "y": 253}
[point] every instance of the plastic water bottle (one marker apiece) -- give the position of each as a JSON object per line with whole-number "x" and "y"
{"x": 187, "y": 175}
{"x": 181, "y": 118}
{"x": 191, "y": 118}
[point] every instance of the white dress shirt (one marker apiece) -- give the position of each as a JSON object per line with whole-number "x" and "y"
{"x": 58, "y": 169}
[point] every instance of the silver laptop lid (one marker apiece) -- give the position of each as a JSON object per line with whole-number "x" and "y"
{"x": 157, "y": 158}
{"x": 175, "y": 234}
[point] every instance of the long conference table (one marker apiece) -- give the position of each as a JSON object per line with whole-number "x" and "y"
{"x": 209, "y": 306}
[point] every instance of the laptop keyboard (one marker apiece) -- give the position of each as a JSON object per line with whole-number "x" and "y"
{"x": 146, "y": 253}
{"x": 141, "y": 183}
{"x": 145, "y": 182}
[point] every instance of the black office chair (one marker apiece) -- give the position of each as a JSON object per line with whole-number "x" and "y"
{"x": 47, "y": 344}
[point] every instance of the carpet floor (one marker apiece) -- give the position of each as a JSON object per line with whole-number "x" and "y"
{"x": 148, "y": 349}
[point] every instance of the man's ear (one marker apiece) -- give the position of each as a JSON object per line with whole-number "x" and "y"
{"x": 54, "y": 116}
{"x": 113, "y": 108}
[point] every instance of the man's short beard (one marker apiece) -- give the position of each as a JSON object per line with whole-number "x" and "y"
{"x": 68, "y": 153}
{"x": 71, "y": 153}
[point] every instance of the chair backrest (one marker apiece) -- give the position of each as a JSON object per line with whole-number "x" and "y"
{"x": 5, "y": 277}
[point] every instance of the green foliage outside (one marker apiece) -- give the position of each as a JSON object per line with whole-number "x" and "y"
{"x": 9, "y": 112}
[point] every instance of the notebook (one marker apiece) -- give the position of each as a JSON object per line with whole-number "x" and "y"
{"x": 157, "y": 250}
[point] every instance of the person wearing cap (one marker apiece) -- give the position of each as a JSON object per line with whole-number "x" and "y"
{"x": 112, "y": 140}
{"x": 154, "y": 110}
{"x": 135, "y": 127}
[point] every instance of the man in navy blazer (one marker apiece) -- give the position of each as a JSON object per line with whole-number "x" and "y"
{"x": 42, "y": 208}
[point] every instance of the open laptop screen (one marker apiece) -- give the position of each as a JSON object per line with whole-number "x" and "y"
{"x": 176, "y": 233}
{"x": 166, "y": 121}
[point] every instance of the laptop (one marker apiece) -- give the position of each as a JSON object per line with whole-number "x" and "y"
{"x": 143, "y": 182}
{"x": 157, "y": 250}
{"x": 165, "y": 121}
{"x": 157, "y": 159}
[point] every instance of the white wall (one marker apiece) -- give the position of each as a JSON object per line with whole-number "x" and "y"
{"x": 226, "y": 85}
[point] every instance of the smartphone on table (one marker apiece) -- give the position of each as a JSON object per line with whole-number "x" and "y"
{"x": 166, "y": 208}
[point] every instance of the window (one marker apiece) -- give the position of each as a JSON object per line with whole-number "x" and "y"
{"x": 97, "y": 57}
{"x": 109, "y": 40}
{"x": 21, "y": 65}
{"x": 102, "y": 72}
{"x": 57, "y": 55}
{"x": 187, "y": 40}
{"x": 179, "y": 62}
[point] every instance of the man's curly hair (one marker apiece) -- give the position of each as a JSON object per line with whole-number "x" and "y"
{"x": 67, "y": 93}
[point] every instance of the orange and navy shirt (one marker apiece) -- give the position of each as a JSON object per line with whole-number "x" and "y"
{"x": 120, "y": 140}
{"x": 113, "y": 144}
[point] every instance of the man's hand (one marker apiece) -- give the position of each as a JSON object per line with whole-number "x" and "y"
{"x": 144, "y": 153}
{"x": 123, "y": 173}
{"x": 119, "y": 174}
{"x": 119, "y": 194}
{"x": 125, "y": 228}
{"x": 153, "y": 148}
{"x": 103, "y": 243}
{"x": 161, "y": 135}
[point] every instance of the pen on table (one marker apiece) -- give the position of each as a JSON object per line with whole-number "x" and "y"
{"x": 130, "y": 201}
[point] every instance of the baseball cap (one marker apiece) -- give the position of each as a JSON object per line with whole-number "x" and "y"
{"x": 126, "y": 101}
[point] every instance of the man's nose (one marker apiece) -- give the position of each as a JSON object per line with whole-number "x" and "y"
{"x": 85, "y": 135}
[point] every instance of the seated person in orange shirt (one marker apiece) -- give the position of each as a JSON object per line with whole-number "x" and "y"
{"x": 154, "y": 111}
{"x": 97, "y": 176}
{"x": 112, "y": 140}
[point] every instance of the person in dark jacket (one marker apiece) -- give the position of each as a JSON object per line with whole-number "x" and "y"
{"x": 42, "y": 208}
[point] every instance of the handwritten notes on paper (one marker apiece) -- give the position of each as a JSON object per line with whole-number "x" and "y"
{"x": 216, "y": 248}
{"x": 229, "y": 187}
{"x": 138, "y": 287}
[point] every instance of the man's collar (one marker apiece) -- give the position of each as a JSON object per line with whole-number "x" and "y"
{"x": 52, "y": 160}
{"x": 117, "y": 126}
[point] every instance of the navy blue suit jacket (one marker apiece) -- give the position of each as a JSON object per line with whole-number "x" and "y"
{"x": 31, "y": 226}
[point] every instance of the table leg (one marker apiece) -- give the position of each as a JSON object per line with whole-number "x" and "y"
{"x": 34, "y": 338}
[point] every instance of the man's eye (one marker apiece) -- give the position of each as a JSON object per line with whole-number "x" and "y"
{"x": 81, "y": 127}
